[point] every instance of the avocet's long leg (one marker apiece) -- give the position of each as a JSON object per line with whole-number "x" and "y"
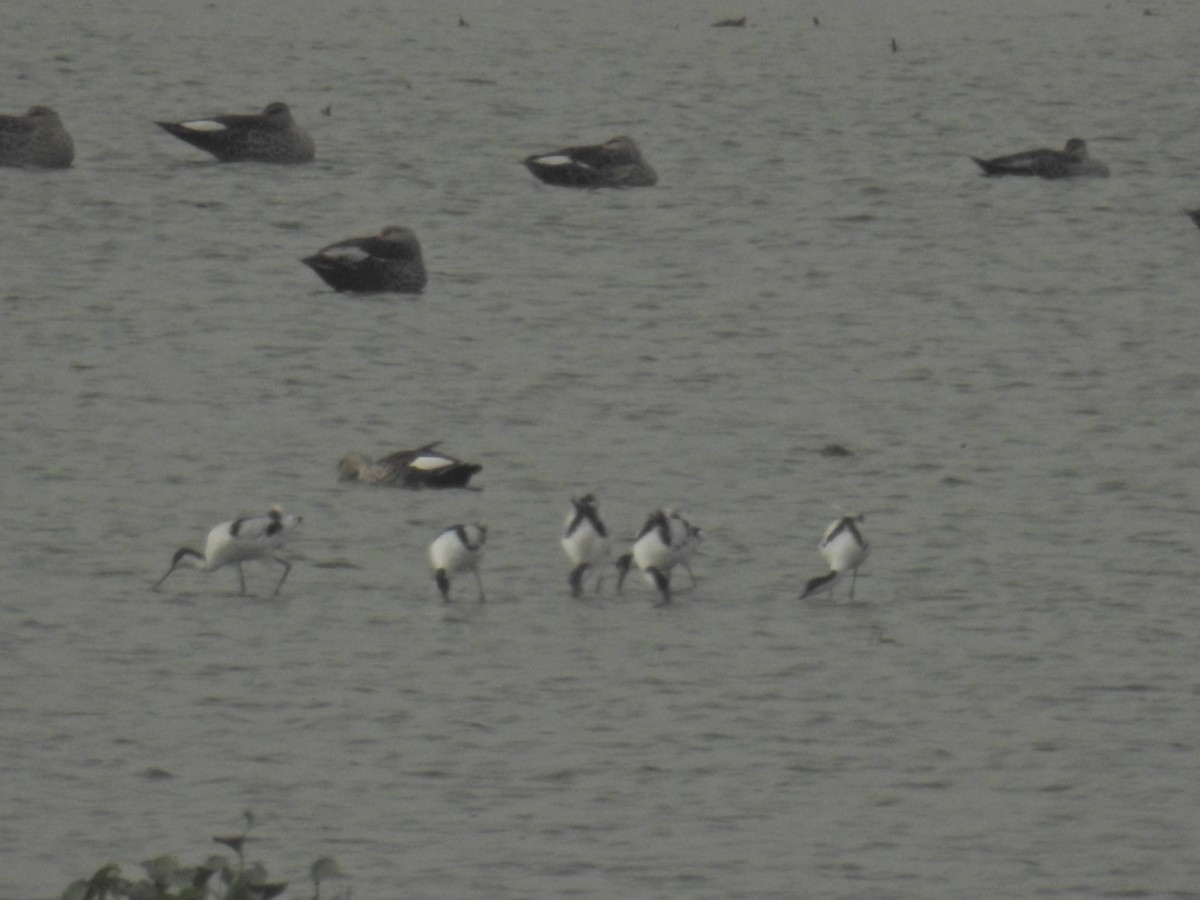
{"x": 232, "y": 543}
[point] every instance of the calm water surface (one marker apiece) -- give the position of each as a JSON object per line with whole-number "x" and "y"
{"x": 1007, "y": 710}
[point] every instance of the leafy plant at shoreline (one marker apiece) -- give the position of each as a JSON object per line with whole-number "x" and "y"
{"x": 168, "y": 879}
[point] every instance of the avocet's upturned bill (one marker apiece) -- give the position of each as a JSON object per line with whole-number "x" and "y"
{"x": 665, "y": 541}
{"x": 845, "y": 549}
{"x": 457, "y": 549}
{"x": 232, "y": 543}
{"x": 584, "y": 540}
{"x": 424, "y": 467}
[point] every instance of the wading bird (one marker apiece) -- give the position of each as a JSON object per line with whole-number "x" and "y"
{"x": 457, "y": 549}
{"x": 844, "y": 548}
{"x": 584, "y": 540}
{"x": 665, "y": 541}
{"x": 232, "y": 543}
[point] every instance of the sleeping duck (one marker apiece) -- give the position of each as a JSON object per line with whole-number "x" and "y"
{"x": 271, "y": 136}
{"x": 1070, "y": 162}
{"x": 424, "y": 467}
{"x": 388, "y": 261}
{"x": 36, "y": 139}
{"x": 615, "y": 163}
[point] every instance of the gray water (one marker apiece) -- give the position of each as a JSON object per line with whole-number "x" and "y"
{"x": 1008, "y": 707}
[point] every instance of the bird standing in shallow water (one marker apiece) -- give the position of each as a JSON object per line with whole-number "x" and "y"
{"x": 420, "y": 468}
{"x": 457, "y": 549}
{"x": 845, "y": 550}
{"x": 253, "y": 537}
{"x": 388, "y": 261}
{"x": 584, "y": 540}
{"x": 271, "y": 136}
{"x": 665, "y": 541}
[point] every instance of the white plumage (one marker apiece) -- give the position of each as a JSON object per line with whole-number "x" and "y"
{"x": 665, "y": 541}
{"x": 204, "y": 125}
{"x": 457, "y": 549}
{"x": 845, "y": 549}
{"x": 235, "y": 542}
{"x": 584, "y": 540}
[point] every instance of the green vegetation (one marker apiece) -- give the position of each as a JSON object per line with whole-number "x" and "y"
{"x": 217, "y": 878}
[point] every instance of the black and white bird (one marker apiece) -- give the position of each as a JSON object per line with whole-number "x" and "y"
{"x": 584, "y": 540}
{"x": 37, "y": 139}
{"x": 271, "y": 136}
{"x": 845, "y": 549}
{"x": 1072, "y": 161}
{"x": 615, "y": 163}
{"x": 457, "y": 549}
{"x": 232, "y": 543}
{"x": 390, "y": 261}
{"x": 666, "y": 540}
{"x": 424, "y": 467}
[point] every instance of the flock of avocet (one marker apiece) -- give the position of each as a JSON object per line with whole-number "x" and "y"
{"x": 391, "y": 261}
{"x": 665, "y": 541}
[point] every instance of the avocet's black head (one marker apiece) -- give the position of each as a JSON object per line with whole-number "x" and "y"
{"x": 815, "y": 584}
{"x": 657, "y": 521}
{"x": 587, "y": 509}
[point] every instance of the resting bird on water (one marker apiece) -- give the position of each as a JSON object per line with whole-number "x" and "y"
{"x": 232, "y": 543}
{"x": 35, "y": 140}
{"x": 388, "y": 261}
{"x": 615, "y": 163}
{"x": 1070, "y": 162}
{"x": 420, "y": 468}
{"x": 271, "y": 136}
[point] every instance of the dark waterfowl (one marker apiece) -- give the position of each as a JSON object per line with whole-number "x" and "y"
{"x": 1194, "y": 215}
{"x": 36, "y": 140}
{"x": 615, "y": 163}
{"x": 424, "y": 467}
{"x": 1070, "y": 162}
{"x": 388, "y": 261}
{"x": 271, "y": 136}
